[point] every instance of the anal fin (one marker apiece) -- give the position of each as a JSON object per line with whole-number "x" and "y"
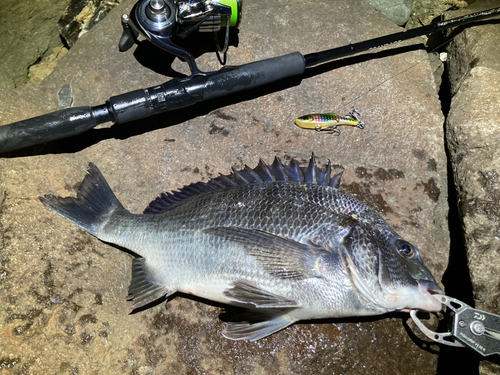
{"x": 256, "y": 331}
{"x": 142, "y": 289}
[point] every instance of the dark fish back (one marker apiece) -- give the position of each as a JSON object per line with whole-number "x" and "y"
{"x": 288, "y": 209}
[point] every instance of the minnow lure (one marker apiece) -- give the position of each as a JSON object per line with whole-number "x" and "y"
{"x": 330, "y": 121}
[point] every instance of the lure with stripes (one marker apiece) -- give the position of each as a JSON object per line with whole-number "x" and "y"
{"x": 330, "y": 121}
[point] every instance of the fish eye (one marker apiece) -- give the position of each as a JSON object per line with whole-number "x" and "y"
{"x": 405, "y": 249}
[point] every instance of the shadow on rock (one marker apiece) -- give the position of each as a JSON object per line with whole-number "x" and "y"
{"x": 160, "y": 61}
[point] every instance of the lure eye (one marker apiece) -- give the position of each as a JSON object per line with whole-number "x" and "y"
{"x": 405, "y": 249}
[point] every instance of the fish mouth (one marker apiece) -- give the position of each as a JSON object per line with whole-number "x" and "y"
{"x": 416, "y": 295}
{"x": 428, "y": 288}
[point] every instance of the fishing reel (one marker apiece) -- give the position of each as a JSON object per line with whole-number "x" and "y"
{"x": 160, "y": 20}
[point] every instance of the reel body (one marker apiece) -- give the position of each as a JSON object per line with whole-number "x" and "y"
{"x": 160, "y": 20}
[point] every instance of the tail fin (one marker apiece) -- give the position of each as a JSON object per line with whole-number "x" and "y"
{"x": 94, "y": 204}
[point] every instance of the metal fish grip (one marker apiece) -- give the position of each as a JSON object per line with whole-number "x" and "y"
{"x": 475, "y": 329}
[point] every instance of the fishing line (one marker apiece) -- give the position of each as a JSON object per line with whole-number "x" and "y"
{"x": 448, "y": 40}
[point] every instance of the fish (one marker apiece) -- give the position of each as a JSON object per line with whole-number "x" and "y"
{"x": 280, "y": 241}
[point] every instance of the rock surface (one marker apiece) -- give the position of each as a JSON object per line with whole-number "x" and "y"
{"x": 28, "y": 32}
{"x": 426, "y": 11}
{"x": 398, "y": 11}
{"x": 473, "y": 135}
{"x": 40, "y": 71}
{"x": 31, "y": 31}
{"x": 64, "y": 292}
{"x": 81, "y": 15}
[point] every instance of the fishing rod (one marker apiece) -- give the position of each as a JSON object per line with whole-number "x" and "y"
{"x": 160, "y": 20}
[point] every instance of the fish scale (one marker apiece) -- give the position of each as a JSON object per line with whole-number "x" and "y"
{"x": 281, "y": 241}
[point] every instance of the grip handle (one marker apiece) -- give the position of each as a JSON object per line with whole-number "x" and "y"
{"x": 143, "y": 103}
{"x": 234, "y": 79}
{"x": 56, "y": 125}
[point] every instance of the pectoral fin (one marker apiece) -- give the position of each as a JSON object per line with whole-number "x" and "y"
{"x": 280, "y": 257}
{"x": 246, "y": 292}
{"x": 256, "y": 331}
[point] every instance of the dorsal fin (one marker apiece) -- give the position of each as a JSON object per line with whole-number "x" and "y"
{"x": 262, "y": 173}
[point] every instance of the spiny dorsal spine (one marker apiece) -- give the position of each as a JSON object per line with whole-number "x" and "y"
{"x": 262, "y": 173}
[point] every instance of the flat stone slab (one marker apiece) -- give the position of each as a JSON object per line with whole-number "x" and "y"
{"x": 64, "y": 291}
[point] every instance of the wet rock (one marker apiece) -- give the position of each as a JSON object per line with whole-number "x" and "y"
{"x": 473, "y": 135}
{"x": 81, "y": 15}
{"x": 398, "y": 11}
{"x": 64, "y": 96}
{"x": 426, "y": 11}
{"x": 8, "y": 363}
{"x": 389, "y": 164}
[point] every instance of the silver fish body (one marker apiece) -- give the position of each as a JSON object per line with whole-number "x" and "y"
{"x": 284, "y": 242}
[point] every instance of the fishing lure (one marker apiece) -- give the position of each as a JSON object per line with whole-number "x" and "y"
{"x": 330, "y": 121}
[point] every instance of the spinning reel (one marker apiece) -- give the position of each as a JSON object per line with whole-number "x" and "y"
{"x": 160, "y": 20}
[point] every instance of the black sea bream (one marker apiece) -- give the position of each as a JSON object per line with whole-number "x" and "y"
{"x": 282, "y": 241}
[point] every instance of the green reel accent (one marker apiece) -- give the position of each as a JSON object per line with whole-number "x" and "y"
{"x": 236, "y": 7}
